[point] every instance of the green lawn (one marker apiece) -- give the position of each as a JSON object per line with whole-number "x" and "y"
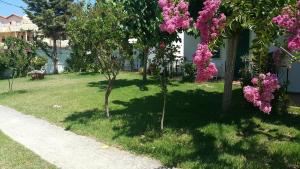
{"x": 197, "y": 134}
{"x": 15, "y": 156}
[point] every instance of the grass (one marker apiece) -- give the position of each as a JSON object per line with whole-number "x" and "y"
{"x": 15, "y": 156}
{"x": 197, "y": 134}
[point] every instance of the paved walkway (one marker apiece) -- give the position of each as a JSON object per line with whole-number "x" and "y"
{"x": 65, "y": 149}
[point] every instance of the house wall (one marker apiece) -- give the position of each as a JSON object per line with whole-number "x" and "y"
{"x": 294, "y": 78}
{"x": 190, "y": 44}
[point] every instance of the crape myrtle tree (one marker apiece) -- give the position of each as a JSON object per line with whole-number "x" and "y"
{"x": 225, "y": 19}
{"x": 99, "y": 32}
{"x": 51, "y": 16}
{"x": 143, "y": 24}
{"x": 242, "y": 14}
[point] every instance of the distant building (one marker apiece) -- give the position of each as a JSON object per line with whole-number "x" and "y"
{"x": 23, "y": 28}
{"x": 16, "y": 26}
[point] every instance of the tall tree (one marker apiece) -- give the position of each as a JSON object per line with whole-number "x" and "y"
{"x": 99, "y": 32}
{"x": 143, "y": 24}
{"x": 51, "y": 16}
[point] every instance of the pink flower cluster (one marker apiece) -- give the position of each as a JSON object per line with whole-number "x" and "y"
{"x": 175, "y": 14}
{"x": 261, "y": 94}
{"x": 210, "y": 26}
{"x": 208, "y": 23}
{"x": 290, "y": 21}
{"x": 205, "y": 69}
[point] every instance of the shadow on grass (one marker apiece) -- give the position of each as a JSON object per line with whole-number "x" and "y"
{"x": 120, "y": 83}
{"x": 191, "y": 113}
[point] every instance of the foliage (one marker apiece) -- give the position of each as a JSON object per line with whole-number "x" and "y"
{"x": 280, "y": 102}
{"x": 38, "y": 62}
{"x": 143, "y": 24}
{"x": 189, "y": 72}
{"x": 97, "y": 33}
{"x": 248, "y": 71}
{"x": 51, "y": 16}
{"x": 17, "y": 58}
{"x": 19, "y": 55}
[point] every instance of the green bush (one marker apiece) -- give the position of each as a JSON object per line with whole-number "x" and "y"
{"x": 189, "y": 72}
{"x": 38, "y": 62}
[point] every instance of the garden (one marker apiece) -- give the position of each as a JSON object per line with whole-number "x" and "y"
{"x": 191, "y": 119}
{"x": 193, "y": 137}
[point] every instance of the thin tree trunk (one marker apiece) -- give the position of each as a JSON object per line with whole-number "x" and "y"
{"x": 145, "y": 60}
{"x": 54, "y": 57}
{"x": 164, "y": 112}
{"x": 229, "y": 70}
{"x": 107, "y": 94}
{"x": 164, "y": 88}
{"x": 11, "y": 82}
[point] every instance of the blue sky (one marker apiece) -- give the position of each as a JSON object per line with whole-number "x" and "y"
{"x": 6, "y": 9}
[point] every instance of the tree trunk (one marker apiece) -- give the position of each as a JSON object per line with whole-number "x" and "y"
{"x": 11, "y": 82}
{"x": 164, "y": 111}
{"x": 145, "y": 60}
{"x": 229, "y": 70}
{"x": 164, "y": 90}
{"x": 54, "y": 57}
{"x": 107, "y": 94}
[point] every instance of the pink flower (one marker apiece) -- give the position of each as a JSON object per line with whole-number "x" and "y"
{"x": 262, "y": 93}
{"x": 175, "y": 14}
{"x": 208, "y": 23}
{"x": 210, "y": 26}
{"x": 289, "y": 20}
{"x": 265, "y": 107}
{"x": 254, "y": 81}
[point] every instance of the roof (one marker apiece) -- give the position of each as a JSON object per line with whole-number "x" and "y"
{"x": 11, "y": 16}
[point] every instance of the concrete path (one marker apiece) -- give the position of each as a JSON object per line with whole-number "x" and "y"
{"x": 65, "y": 149}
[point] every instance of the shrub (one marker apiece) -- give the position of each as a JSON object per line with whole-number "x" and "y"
{"x": 189, "y": 72}
{"x": 38, "y": 62}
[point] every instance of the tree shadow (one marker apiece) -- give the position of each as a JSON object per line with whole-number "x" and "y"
{"x": 120, "y": 83}
{"x": 190, "y": 113}
{"x": 88, "y": 73}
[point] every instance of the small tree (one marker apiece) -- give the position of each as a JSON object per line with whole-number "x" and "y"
{"x": 51, "y": 16}
{"x": 17, "y": 57}
{"x": 143, "y": 24}
{"x": 98, "y": 31}
{"x": 164, "y": 57}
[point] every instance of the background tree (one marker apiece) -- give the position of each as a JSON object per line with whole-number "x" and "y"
{"x": 98, "y": 31}
{"x": 143, "y": 24}
{"x": 17, "y": 57}
{"x": 51, "y": 16}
